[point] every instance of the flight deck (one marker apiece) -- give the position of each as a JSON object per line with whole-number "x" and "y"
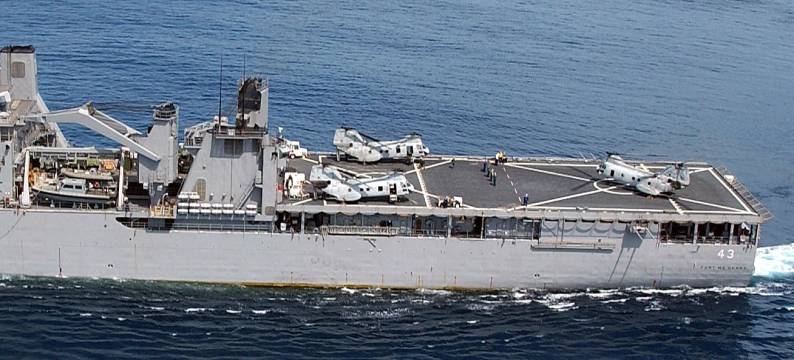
{"x": 546, "y": 183}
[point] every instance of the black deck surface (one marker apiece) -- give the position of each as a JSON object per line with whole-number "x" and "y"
{"x": 548, "y": 184}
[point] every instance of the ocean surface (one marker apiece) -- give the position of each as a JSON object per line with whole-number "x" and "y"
{"x": 687, "y": 80}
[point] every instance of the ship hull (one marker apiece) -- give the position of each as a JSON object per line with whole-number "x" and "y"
{"x": 94, "y": 244}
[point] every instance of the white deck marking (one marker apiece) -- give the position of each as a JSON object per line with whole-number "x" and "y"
{"x": 422, "y": 184}
{"x": 712, "y": 205}
{"x": 698, "y": 170}
{"x": 730, "y": 190}
{"x": 416, "y": 168}
{"x": 716, "y": 212}
{"x": 311, "y": 160}
{"x": 622, "y": 210}
{"x": 301, "y": 202}
{"x": 635, "y": 210}
{"x": 675, "y": 206}
{"x": 591, "y": 209}
{"x": 570, "y": 196}
{"x": 549, "y": 172}
{"x": 643, "y": 167}
{"x": 513, "y": 185}
{"x": 425, "y": 193}
{"x": 552, "y": 164}
{"x": 595, "y": 185}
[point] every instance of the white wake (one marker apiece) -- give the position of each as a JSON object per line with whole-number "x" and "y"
{"x": 775, "y": 261}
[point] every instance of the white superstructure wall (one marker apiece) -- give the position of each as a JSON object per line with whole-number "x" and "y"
{"x": 18, "y": 72}
{"x": 224, "y": 170}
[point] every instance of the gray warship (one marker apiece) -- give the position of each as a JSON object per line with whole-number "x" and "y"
{"x": 235, "y": 202}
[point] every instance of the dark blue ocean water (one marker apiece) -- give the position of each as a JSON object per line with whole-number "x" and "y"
{"x": 691, "y": 80}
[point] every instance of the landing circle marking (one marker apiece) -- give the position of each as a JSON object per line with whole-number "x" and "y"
{"x": 608, "y": 191}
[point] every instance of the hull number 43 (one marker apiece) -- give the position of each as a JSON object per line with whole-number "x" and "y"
{"x": 725, "y": 254}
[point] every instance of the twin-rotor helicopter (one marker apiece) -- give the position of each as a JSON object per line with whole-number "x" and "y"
{"x": 664, "y": 182}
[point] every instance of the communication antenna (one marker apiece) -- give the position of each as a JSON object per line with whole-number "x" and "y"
{"x": 242, "y": 90}
{"x": 220, "y": 86}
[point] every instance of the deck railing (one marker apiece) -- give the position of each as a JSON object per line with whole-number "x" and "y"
{"x": 360, "y": 230}
{"x": 746, "y": 194}
{"x": 378, "y": 231}
{"x": 142, "y": 223}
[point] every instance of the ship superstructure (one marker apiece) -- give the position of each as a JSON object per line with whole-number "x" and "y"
{"x": 236, "y": 203}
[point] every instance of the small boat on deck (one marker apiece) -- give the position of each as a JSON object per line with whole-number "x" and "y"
{"x": 91, "y": 175}
{"x": 73, "y": 191}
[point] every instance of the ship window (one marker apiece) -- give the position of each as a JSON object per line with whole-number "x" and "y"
{"x": 467, "y": 227}
{"x": 677, "y": 232}
{"x": 380, "y": 188}
{"x": 232, "y": 147}
{"x": 398, "y": 149}
{"x": 18, "y": 69}
{"x": 621, "y": 175}
{"x": 612, "y": 173}
{"x": 632, "y": 178}
{"x": 741, "y": 232}
{"x": 714, "y": 232}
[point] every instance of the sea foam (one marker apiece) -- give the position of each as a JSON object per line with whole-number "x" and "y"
{"x": 775, "y": 261}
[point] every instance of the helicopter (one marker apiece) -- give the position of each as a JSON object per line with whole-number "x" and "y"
{"x": 333, "y": 184}
{"x": 361, "y": 147}
{"x": 668, "y": 180}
